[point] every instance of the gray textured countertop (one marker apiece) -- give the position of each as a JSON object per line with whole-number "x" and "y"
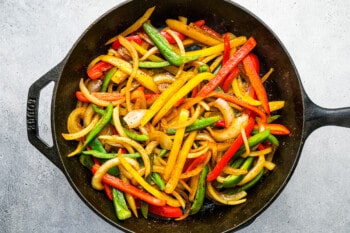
{"x": 35, "y": 35}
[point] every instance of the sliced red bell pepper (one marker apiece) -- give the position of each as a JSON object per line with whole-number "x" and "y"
{"x": 179, "y": 102}
{"x": 197, "y": 161}
{"x": 199, "y": 23}
{"x": 227, "y": 48}
{"x": 108, "y": 191}
{"x": 220, "y": 124}
{"x": 171, "y": 39}
{"x": 210, "y": 31}
{"x": 277, "y": 129}
{"x": 228, "y": 67}
{"x": 228, "y": 81}
{"x": 255, "y": 61}
{"x": 97, "y": 70}
{"x": 80, "y": 96}
{"x": 261, "y": 147}
{"x": 132, "y": 190}
{"x": 256, "y": 82}
{"x": 230, "y": 151}
{"x": 136, "y": 38}
{"x": 165, "y": 211}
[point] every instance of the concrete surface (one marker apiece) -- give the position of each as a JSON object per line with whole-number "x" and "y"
{"x": 35, "y": 35}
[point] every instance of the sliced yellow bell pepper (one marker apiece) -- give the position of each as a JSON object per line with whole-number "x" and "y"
{"x": 217, "y": 48}
{"x": 276, "y": 105}
{"x": 180, "y": 162}
{"x": 239, "y": 94}
{"x": 179, "y": 135}
{"x": 126, "y": 67}
{"x": 176, "y": 96}
{"x": 165, "y": 96}
{"x": 193, "y": 32}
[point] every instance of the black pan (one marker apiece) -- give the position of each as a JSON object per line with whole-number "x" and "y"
{"x": 301, "y": 115}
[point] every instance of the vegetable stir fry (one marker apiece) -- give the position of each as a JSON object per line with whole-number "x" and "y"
{"x": 172, "y": 116}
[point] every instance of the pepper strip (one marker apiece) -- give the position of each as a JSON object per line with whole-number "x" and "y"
{"x": 193, "y": 32}
{"x": 179, "y": 135}
{"x": 217, "y": 48}
{"x": 228, "y": 81}
{"x": 120, "y": 205}
{"x": 228, "y": 67}
{"x": 164, "y": 46}
{"x": 170, "y": 201}
{"x": 180, "y": 162}
{"x": 227, "y": 48}
{"x": 164, "y": 97}
{"x": 245, "y": 97}
{"x": 241, "y": 103}
{"x": 256, "y": 83}
{"x": 200, "y": 194}
{"x": 181, "y": 93}
{"x": 97, "y": 70}
{"x": 154, "y": 58}
{"x": 128, "y": 188}
{"x": 230, "y": 152}
{"x": 99, "y": 126}
{"x": 126, "y": 67}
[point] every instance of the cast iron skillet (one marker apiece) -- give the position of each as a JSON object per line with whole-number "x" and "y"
{"x": 301, "y": 115}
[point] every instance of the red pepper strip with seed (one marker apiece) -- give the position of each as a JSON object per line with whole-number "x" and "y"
{"x": 136, "y": 38}
{"x": 228, "y": 67}
{"x": 277, "y": 129}
{"x": 256, "y": 83}
{"x": 128, "y": 188}
{"x": 227, "y": 49}
{"x": 230, "y": 151}
{"x": 97, "y": 70}
{"x": 235, "y": 100}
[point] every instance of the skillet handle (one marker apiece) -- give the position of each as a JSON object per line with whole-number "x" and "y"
{"x": 32, "y": 115}
{"x": 316, "y": 116}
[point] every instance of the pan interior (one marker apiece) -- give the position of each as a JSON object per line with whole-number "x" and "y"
{"x": 284, "y": 84}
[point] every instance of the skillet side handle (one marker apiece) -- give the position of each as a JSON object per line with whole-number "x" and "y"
{"x": 32, "y": 115}
{"x": 316, "y": 116}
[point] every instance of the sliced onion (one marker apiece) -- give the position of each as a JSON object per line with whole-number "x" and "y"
{"x": 133, "y": 118}
{"x": 225, "y": 110}
{"x": 232, "y": 131}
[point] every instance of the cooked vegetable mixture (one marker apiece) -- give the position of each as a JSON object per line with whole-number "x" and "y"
{"x": 172, "y": 116}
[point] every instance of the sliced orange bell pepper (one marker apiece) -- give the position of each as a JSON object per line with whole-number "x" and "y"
{"x": 256, "y": 83}
{"x": 277, "y": 129}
